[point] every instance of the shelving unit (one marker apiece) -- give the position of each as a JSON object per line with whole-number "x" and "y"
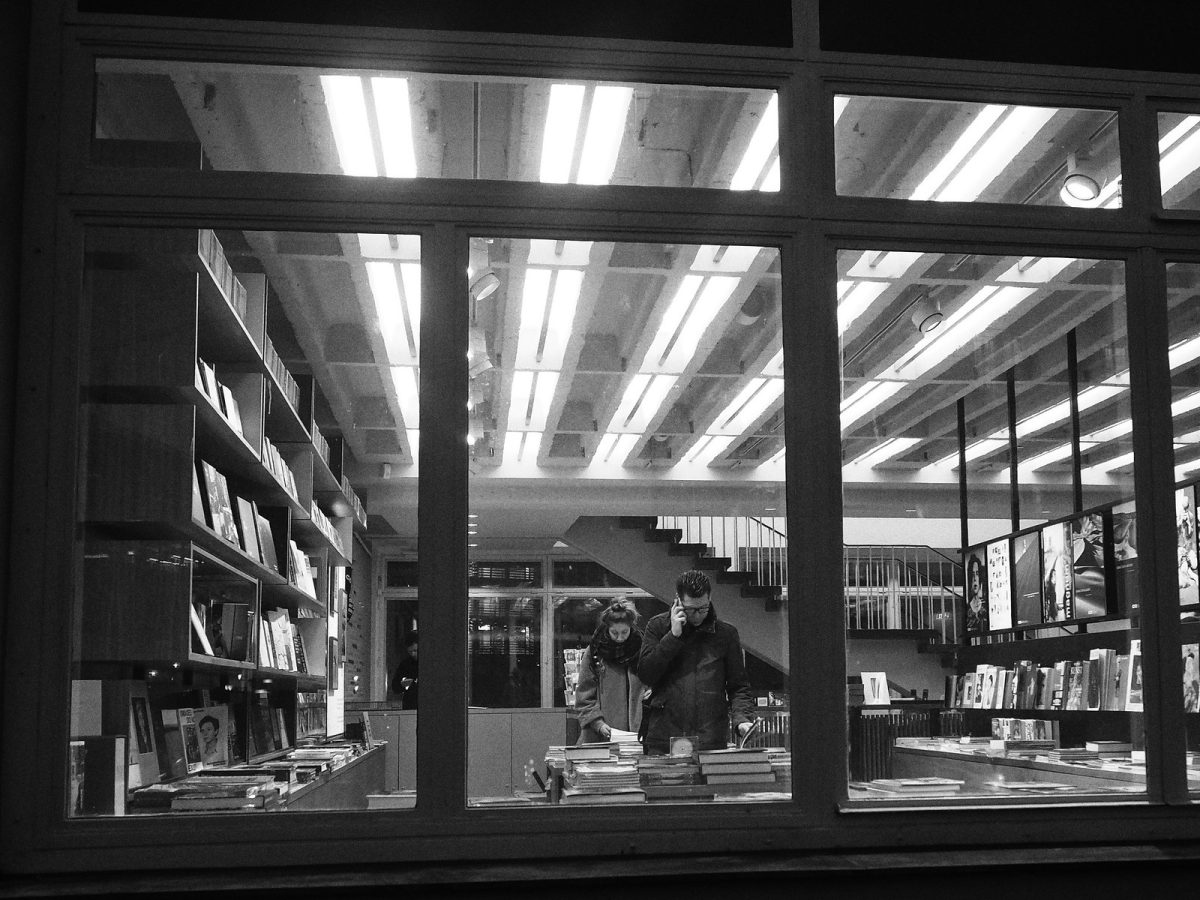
{"x": 191, "y": 526}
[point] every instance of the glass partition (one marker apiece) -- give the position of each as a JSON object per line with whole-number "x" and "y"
{"x": 1041, "y": 697}
{"x": 370, "y": 123}
{"x": 233, "y": 383}
{"x": 1179, "y": 160}
{"x": 627, "y": 407}
{"x": 957, "y": 151}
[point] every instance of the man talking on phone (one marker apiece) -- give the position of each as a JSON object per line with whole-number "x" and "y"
{"x": 693, "y": 662}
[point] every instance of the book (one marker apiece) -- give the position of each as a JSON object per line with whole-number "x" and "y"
{"x": 1185, "y": 531}
{"x": 192, "y": 804}
{"x": 208, "y": 377}
{"x": 1191, "y": 684}
{"x": 735, "y": 768}
{"x": 1027, "y": 579}
{"x": 229, "y": 405}
{"x": 191, "y": 739}
{"x": 1133, "y": 688}
{"x": 247, "y": 527}
{"x": 572, "y": 796}
{"x": 1124, "y": 544}
{"x": 1100, "y": 663}
{"x": 219, "y": 507}
{"x": 1057, "y": 580}
{"x": 975, "y": 597}
{"x": 1089, "y": 566}
{"x": 1120, "y": 681}
{"x": 740, "y": 778}
{"x": 198, "y": 515}
{"x": 279, "y": 625}
{"x": 266, "y": 542}
{"x": 102, "y": 766}
{"x": 1075, "y": 695}
{"x": 143, "y": 749}
{"x": 212, "y": 728}
{"x": 581, "y": 752}
{"x": 730, "y": 755}
{"x": 999, "y": 591}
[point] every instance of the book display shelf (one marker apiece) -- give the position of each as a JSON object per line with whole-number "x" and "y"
{"x": 1047, "y": 692}
{"x": 216, "y": 519}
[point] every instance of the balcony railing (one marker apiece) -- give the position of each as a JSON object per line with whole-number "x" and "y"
{"x": 887, "y": 587}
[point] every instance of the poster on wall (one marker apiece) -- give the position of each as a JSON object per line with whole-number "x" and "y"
{"x": 1125, "y": 554}
{"x": 1185, "y": 531}
{"x": 1089, "y": 569}
{"x": 977, "y": 597}
{"x": 1027, "y": 578}
{"x": 1057, "y": 584}
{"x": 999, "y": 586}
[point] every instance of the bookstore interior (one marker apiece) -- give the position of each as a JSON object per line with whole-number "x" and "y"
{"x": 275, "y": 498}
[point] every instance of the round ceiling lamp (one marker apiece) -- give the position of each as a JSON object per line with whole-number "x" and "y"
{"x": 1081, "y": 185}
{"x": 926, "y": 314}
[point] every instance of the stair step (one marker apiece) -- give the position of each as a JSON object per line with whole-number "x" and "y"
{"x": 663, "y": 535}
{"x": 637, "y": 521}
{"x": 774, "y": 603}
{"x": 708, "y": 563}
{"x": 734, "y": 576}
{"x": 687, "y": 549}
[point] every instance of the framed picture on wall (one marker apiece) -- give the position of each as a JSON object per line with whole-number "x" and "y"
{"x": 976, "y": 594}
{"x": 1185, "y": 533}
{"x": 1027, "y": 578}
{"x": 1090, "y": 535}
{"x": 999, "y": 585}
{"x": 1058, "y": 585}
{"x": 1125, "y": 554}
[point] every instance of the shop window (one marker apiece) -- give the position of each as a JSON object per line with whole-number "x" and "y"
{"x": 1042, "y": 696}
{"x": 947, "y": 151}
{"x": 232, "y": 382}
{"x": 626, "y": 401}
{"x": 237, "y": 118}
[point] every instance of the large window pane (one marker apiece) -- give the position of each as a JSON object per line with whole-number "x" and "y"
{"x": 910, "y": 149}
{"x": 417, "y": 125}
{"x": 627, "y": 404}
{"x": 232, "y": 382}
{"x": 1042, "y": 697}
{"x": 1183, "y": 283}
{"x": 1179, "y": 159}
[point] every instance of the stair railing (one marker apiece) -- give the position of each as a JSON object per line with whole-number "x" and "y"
{"x": 887, "y": 587}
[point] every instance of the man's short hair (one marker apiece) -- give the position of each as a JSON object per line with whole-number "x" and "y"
{"x": 692, "y": 583}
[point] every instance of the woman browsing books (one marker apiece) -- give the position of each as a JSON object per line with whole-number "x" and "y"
{"x": 609, "y": 693}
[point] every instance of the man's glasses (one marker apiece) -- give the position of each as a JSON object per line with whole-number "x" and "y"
{"x": 694, "y": 610}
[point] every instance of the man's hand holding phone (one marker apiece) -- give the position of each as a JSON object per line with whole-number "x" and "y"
{"x": 678, "y": 618}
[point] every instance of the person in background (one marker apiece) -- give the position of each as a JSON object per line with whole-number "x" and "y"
{"x": 693, "y": 662}
{"x": 609, "y": 692}
{"x": 404, "y": 679}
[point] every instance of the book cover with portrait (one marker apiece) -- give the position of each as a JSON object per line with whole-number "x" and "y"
{"x": 976, "y": 594}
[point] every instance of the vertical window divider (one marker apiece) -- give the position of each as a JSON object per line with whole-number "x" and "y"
{"x": 1014, "y": 475}
{"x": 442, "y": 518}
{"x": 1154, "y": 482}
{"x": 964, "y": 528}
{"x": 1073, "y": 399}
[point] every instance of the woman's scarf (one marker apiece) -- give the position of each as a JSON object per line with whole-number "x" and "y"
{"x": 605, "y": 648}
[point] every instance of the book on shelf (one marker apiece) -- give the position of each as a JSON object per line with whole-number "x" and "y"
{"x": 208, "y": 383}
{"x": 597, "y": 750}
{"x": 1080, "y": 672}
{"x": 219, "y": 507}
{"x": 233, "y": 413}
{"x": 266, "y": 542}
{"x": 191, "y": 739}
{"x": 198, "y": 515}
{"x": 1133, "y": 687}
{"x": 1119, "y": 682}
{"x": 143, "y": 748}
{"x": 298, "y": 650}
{"x": 198, "y": 614}
{"x": 732, "y": 755}
{"x": 1191, "y": 677}
{"x": 247, "y": 527}
{"x": 212, "y": 730}
{"x": 97, "y": 783}
{"x": 279, "y": 625}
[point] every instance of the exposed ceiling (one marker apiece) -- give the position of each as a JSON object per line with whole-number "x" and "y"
{"x": 641, "y": 378}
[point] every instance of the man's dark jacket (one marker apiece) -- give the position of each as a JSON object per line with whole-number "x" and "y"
{"x": 699, "y": 681}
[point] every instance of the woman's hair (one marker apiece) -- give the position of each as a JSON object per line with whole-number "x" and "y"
{"x": 620, "y": 612}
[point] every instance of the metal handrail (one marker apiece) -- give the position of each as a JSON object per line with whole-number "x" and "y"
{"x": 885, "y": 585}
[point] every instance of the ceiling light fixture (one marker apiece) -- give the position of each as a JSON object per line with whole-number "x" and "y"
{"x": 763, "y": 143}
{"x": 482, "y": 281}
{"x": 926, "y": 314}
{"x": 394, "y": 116}
{"x": 347, "y": 106}
{"x": 558, "y": 139}
{"x": 1081, "y": 185}
{"x": 605, "y": 131}
{"x": 889, "y": 449}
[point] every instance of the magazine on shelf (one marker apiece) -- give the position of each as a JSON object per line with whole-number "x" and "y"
{"x": 976, "y": 593}
{"x": 1027, "y": 579}
{"x": 999, "y": 586}
{"x": 1089, "y": 535}
{"x": 1185, "y": 530}
{"x": 1124, "y": 544}
{"x": 1058, "y": 586}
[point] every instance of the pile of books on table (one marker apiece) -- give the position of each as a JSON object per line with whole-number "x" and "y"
{"x": 732, "y": 766}
{"x": 1020, "y": 748}
{"x": 915, "y": 787}
{"x": 609, "y": 781}
{"x": 670, "y": 777}
{"x": 781, "y": 767}
{"x": 1071, "y": 754}
{"x": 210, "y": 792}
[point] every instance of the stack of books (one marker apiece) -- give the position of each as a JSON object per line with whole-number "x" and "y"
{"x": 219, "y": 792}
{"x": 1071, "y": 754}
{"x": 1020, "y": 747}
{"x": 654, "y": 771}
{"x": 603, "y": 782}
{"x": 627, "y": 743}
{"x": 1110, "y": 749}
{"x": 781, "y": 767}
{"x": 745, "y": 766}
{"x": 915, "y": 787}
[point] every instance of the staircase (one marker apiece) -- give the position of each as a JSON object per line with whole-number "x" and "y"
{"x": 894, "y": 591}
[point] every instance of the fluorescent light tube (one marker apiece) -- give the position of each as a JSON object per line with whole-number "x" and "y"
{"x": 1042, "y": 270}
{"x": 1180, "y": 161}
{"x": 762, "y": 144}
{"x": 414, "y": 442}
{"x": 518, "y": 400}
{"x": 543, "y": 398}
{"x": 561, "y": 318}
{"x": 671, "y": 322}
{"x": 967, "y": 323}
{"x": 562, "y": 125}
{"x": 530, "y": 399}
{"x": 858, "y": 301}
{"x": 395, "y": 126}
{"x": 613, "y": 449}
{"x": 997, "y": 152}
{"x": 641, "y": 401}
{"x": 966, "y": 142}
{"x": 404, "y": 379}
{"x": 1167, "y": 141}
{"x": 774, "y": 368}
{"x": 707, "y": 449}
{"x": 711, "y": 299}
{"x": 866, "y": 398}
{"x": 1184, "y": 352}
{"x": 734, "y": 258}
{"x": 535, "y": 292}
{"x": 410, "y": 277}
{"x": 351, "y": 129}
{"x": 770, "y": 182}
{"x": 390, "y": 311}
{"x": 982, "y": 447}
{"x": 839, "y": 106}
{"x": 390, "y": 246}
{"x": 605, "y": 131}
{"x": 1185, "y": 404}
{"x": 890, "y": 448}
{"x": 521, "y": 446}
{"x": 1117, "y": 462}
{"x": 750, "y": 404}
{"x": 559, "y": 253}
